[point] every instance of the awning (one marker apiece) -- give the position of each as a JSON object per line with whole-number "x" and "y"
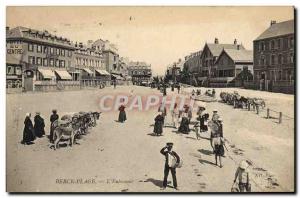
{"x": 63, "y": 74}
{"x": 102, "y": 72}
{"x": 47, "y": 73}
{"x": 88, "y": 70}
{"x": 117, "y": 77}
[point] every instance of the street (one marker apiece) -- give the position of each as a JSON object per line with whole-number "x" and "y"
{"x": 124, "y": 157}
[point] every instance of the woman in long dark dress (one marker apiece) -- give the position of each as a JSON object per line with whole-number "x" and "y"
{"x": 28, "y": 132}
{"x": 39, "y": 125}
{"x": 158, "y": 125}
{"x": 122, "y": 114}
{"x": 184, "y": 124}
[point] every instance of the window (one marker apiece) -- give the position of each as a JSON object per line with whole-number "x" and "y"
{"x": 62, "y": 63}
{"x": 291, "y": 57}
{"x": 51, "y": 62}
{"x": 18, "y": 70}
{"x": 272, "y": 44}
{"x": 279, "y": 59}
{"x": 57, "y": 63}
{"x": 279, "y": 43}
{"x": 272, "y": 59}
{"x": 262, "y": 60}
{"x": 262, "y": 46}
{"x": 31, "y": 60}
{"x": 10, "y": 70}
{"x": 63, "y": 52}
{"x": 51, "y": 50}
{"x": 45, "y": 49}
{"x": 39, "y": 61}
{"x": 45, "y": 62}
{"x": 39, "y": 48}
{"x": 30, "y": 47}
{"x": 57, "y": 51}
{"x": 69, "y": 53}
{"x": 291, "y": 42}
{"x": 279, "y": 75}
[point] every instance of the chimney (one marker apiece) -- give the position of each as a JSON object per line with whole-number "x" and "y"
{"x": 235, "y": 41}
{"x": 80, "y": 45}
{"x": 216, "y": 41}
{"x": 76, "y": 44}
{"x": 273, "y": 22}
{"x": 7, "y": 28}
{"x": 238, "y": 47}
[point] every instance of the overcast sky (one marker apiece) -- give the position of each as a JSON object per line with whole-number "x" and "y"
{"x": 156, "y": 35}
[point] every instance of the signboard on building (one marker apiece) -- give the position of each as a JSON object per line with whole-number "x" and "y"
{"x": 14, "y": 49}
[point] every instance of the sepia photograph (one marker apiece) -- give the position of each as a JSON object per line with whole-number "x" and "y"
{"x": 150, "y": 99}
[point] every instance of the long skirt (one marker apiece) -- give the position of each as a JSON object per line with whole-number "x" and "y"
{"x": 184, "y": 125}
{"x": 28, "y": 135}
{"x": 158, "y": 127}
{"x": 122, "y": 116}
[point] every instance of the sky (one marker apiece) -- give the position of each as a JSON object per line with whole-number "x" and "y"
{"x": 156, "y": 35}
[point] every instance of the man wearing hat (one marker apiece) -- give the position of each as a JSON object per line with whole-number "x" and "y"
{"x": 215, "y": 115}
{"x": 242, "y": 174}
{"x": 53, "y": 117}
{"x": 172, "y": 161}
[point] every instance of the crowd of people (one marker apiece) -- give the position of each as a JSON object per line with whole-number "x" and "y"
{"x": 37, "y": 130}
{"x": 181, "y": 120}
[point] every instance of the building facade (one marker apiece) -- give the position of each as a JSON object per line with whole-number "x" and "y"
{"x": 274, "y": 59}
{"x": 41, "y": 58}
{"x": 110, "y": 54}
{"x": 192, "y": 65}
{"x": 140, "y": 72}
{"x": 230, "y": 65}
{"x": 89, "y": 66}
{"x": 209, "y": 56}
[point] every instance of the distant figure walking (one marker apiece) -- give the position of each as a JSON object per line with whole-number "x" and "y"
{"x": 122, "y": 114}
{"x": 158, "y": 125}
{"x": 242, "y": 175}
{"x": 175, "y": 116}
{"x": 28, "y": 132}
{"x": 171, "y": 163}
{"x": 53, "y": 117}
{"x": 178, "y": 88}
{"x": 162, "y": 108}
{"x": 39, "y": 125}
{"x": 115, "y": 84}
{"x": 218, "y": 142}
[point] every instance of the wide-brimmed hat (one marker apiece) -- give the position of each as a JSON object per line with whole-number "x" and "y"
{"x": 244, "y": 164}
{"x": 37, "y": 113}
{"x": 215, "y": 110}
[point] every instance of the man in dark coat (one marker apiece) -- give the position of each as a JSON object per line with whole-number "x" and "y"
{"x": 53, "y": 117}
{"x": 158, "y": 125}
{"x": 170, "y": 156}
{"x": 39, "y": 125}
{"x": 28, "y": 132}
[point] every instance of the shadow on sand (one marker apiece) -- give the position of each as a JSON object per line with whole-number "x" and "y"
{"x": 202, "y": 161}
{"x": 156, "y": 182}
{"x": 205, "y": 152}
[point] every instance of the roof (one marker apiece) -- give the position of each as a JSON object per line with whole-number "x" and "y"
{"x": 216, "y": 49}
{"x": 18, "y": 32}
{"x": 240, "y": 55}
{"x": 278, "y": 29}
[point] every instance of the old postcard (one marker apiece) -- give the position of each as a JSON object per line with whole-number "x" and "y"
{"x": 150, "y": 99}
